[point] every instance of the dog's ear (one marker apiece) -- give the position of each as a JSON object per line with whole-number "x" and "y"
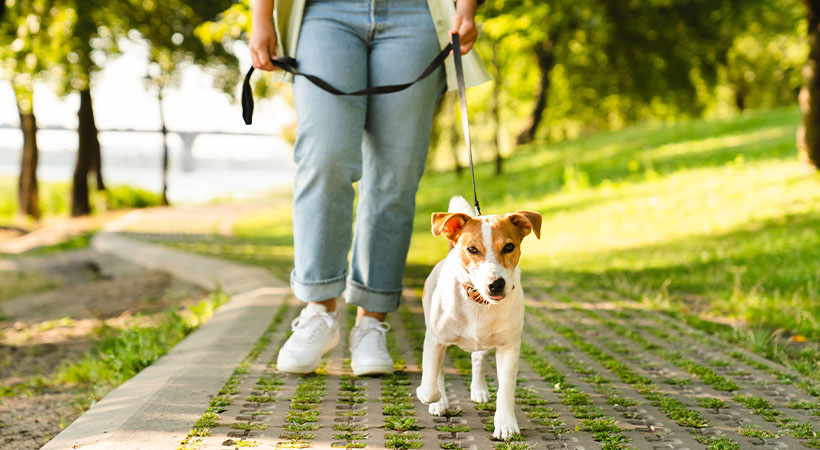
{"x": 449, "y": 224}
{"x": 526, "y": 221}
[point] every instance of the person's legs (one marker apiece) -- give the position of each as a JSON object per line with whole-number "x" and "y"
{"x": 397, "y": 136}
{"x": 397, "y": 133}
{"x": 328, "y": 157}
{"x": 328, "y": 147}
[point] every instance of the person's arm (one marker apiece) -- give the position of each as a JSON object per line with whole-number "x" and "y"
{"x": 463, "y": 21}
{"x": 262, "y": 43}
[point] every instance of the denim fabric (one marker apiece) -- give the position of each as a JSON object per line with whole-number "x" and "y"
{"x": 379, "y": 141}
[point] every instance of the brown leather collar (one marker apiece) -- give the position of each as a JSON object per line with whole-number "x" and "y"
{"x": 474, "y": 295}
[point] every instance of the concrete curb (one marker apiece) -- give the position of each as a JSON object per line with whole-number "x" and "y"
{"x": 156, "y": 408}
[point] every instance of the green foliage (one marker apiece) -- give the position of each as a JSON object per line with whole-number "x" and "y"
{"x": 125, "y": 197}
{"x": 55, "y": 198}
{"x": 608, "y": 64}
{"x": 168, "y": 27}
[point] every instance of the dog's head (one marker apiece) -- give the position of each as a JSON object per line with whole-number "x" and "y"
{"x": 489, "y": 247}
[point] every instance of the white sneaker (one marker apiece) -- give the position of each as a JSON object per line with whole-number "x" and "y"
{"x": 368, "y": 347}
{"x": 315, "y": 332}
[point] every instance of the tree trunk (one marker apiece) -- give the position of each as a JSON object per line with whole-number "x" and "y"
{"x": 27, "y": 189}
{"x": 740, "y": 99}
{"x": 95, "y": 165}
{"x": 808, "y": 136}
{"x": 545, "y": 56}
{"x": 88, "y": 146}
{"x": 164, "y": 150}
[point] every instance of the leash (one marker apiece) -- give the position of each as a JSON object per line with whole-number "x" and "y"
{"x": 465, "y": 121}
{"x": 289, "y": 65}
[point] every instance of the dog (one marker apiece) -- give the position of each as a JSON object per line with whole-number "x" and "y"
{"x": 473, "y": 299}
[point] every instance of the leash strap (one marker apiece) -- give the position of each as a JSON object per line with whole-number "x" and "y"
{"x": 465, "y": 121}
{"x": 289, "y": 65}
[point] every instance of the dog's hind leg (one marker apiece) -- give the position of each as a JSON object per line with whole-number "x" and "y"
{"x": 440, "y": 407}
{"x": 428, "y": 391}
{"x": 478, "y": 387}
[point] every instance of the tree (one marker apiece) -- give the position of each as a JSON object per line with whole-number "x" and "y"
{"x": 31, "y": 37}
{"x": 604, "y": 63}
{"x": 168, "y": 28}
{"x": 92, "y": 39}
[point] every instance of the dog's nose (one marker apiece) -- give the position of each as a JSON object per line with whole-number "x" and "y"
{"x": 497, "y": 286}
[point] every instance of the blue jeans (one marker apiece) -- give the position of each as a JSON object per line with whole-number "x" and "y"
{"x": 379, "y": 141}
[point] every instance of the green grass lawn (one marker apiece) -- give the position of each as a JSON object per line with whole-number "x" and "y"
{"x": 711, "y": 218}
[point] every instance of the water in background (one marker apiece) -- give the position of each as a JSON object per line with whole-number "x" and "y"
{"x": 228, "y": 167}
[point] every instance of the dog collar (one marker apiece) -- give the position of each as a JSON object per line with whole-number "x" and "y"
{"x": 474, "y": 295}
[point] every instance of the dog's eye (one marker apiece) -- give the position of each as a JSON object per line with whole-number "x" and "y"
{"x": 508, "y": 248}
{"x": 472, "y": 250}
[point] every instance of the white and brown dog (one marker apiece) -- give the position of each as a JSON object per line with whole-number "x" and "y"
{"x": 473, "y": 299}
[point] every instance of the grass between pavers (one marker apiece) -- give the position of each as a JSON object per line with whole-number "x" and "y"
{"x": 757, "y": 405}
{"x": 303, "y": 414}
{"x": 121, "y": 353}
{"x": 350, "y": 434}
{"x": 592, "y": 418}
{"x": 226, "y": 395}
{"x": 705, "y": 374}
{"x": 350, "y": 400}
{"x": 805, "y": 364}
{"x": 671, "y": 407}
{"x": 397, "y": 395}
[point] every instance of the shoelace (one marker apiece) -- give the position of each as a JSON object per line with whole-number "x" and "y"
{"x": 303, "y": 322}
{"x": 381, "y": 327}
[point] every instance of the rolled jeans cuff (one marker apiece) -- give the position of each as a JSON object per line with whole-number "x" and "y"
{"x": 316, "y": 291}
{"x": 373, "y": 300}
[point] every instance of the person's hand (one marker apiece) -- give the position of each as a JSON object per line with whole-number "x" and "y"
{"x": 262, "y": 44}
{"x": 463, "y": 21}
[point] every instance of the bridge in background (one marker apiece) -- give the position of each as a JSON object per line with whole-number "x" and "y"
{"x": 188, "y": 138}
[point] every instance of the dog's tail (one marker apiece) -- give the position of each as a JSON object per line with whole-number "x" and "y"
{"x": 459, "y": 205}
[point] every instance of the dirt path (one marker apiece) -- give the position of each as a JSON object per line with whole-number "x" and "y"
{"x": 45, "y": 329}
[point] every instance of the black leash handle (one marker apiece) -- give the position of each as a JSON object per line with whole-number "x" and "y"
{"x": 289, "y": 65}
{"x": 465, "y": 121}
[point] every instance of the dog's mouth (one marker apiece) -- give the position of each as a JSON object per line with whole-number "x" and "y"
{"x": 476, "y": 296}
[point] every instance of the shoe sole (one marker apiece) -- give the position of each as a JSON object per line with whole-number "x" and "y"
{"x": 300, "y": 370}
{"x": 371, "y": 370}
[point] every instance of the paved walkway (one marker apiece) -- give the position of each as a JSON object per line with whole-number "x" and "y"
{"x": 596, "y": 372}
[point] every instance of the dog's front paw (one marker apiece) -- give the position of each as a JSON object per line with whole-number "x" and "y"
{"x": 505, "y": 427}
{"x": 428, "y": 396}
{"x": 440, "y": 407}
{"x": 479, "y": 394}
